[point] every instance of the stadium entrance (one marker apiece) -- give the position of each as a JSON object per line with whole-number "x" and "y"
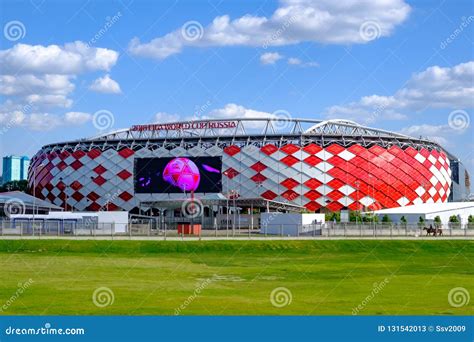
{"x": 218, "y": 214}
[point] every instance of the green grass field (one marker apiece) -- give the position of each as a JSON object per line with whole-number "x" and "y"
{"x": 235, "y": 277}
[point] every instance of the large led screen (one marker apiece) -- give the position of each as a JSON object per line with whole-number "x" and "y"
{"x": 181, "y": 174}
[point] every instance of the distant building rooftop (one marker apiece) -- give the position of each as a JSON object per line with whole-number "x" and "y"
{"x": 428, "y": 208}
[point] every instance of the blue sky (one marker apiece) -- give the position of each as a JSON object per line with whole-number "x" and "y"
{"x": 401, "y": 65}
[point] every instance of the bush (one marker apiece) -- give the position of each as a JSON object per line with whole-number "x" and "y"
{"x": 453, "y": 219}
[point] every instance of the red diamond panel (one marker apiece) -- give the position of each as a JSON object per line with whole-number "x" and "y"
{"x": 289, "y": 160}
{"x": 124, "y": 174}
{"x": 335, "y": 149}
{"x": 312, "y": 160}
{"x": 93, "y": 153}
{"x": 313, "y": 183}
{"x": 94, "y": 207}
{"x": 78, "y": 154}
{"x": 125, "y": 196}
{"x": 258, "y": 166}
{"x": 61, "y": 165}
{"x": 99, "y": 169}
{"x": 289, "y": 148}
{"x": 93, "y": 196}
{"x": 258, "y": 178}
{"x": 269, "y": 149}
{"x": 76, "y": 165}
{"x": 269, "y": 195}
{"x": 126, "y": 152}
{"x": 312, "y": 206}
{"x": 77, "y": 196}
{"x": 289, "y": 183}
{"x": 290, "y": 195}
{"x": 231, "y": 173}
{"x": 336, "y": 183}
{"x": 76, "y": 185}
{"x": 312, "y": 148}
{"x": 99, "y": 180}
{"x": 312, "y": 195}
{"x": 335, "y": 195}
{"x": 334, "y": 206}
{"x": 232, "y": 150}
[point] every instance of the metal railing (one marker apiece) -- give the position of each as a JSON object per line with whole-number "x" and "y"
{"x": 152, "y": 229}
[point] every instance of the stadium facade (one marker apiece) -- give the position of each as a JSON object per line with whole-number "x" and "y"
{"x": 310, "y": 164}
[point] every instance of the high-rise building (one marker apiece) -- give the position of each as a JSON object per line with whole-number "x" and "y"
{"x": 15, "y": 168}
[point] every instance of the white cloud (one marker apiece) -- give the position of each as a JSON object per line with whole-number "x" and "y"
{"x": 36, "y": 78}
{"x": 442, "y": 134}
{"x": 105, "y": 85}
{"x": 161, "y": 117}
{"x": 42, "y": 121}
{"x": 27, "y": 84}
{"x": 72, "y": 58}
{"x": 294, "y": 61}
{"x": 270, "y": 58}
{"x": 232, "y": 111}
{"x": 299, "y": 62}
{"x": 435, "y": 87}
{"x": 77, "y": 118}
{"x": 294, "y": 21}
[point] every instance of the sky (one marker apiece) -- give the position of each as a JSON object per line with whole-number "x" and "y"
{"x": 75, "y": 69}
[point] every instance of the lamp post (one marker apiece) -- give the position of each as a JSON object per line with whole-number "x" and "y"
{"x": 65, "y": 193}
{"x": 357, "y": 184}
{"x": 41, "y": 165}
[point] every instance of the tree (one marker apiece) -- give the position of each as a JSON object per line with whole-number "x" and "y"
{"x": 330, "y": 217}
{"x": 403, "y": 220}
{"x": 437, "y": 221}
{"x": 421, "y": 221}
{"x": 470, "y": 222}
{"x": 21, "y": 185}
{"x": 386, "y": 219}
{"x": 355, "y": 216}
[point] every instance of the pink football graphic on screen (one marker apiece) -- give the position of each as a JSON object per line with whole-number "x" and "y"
{"x": 182, "y": 173}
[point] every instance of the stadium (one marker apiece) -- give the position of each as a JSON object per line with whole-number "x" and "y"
{"x": 299, "y": 164}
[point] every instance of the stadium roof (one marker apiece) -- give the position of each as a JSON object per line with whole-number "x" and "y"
{"x": 251, "y": 126}
{"x": 27, "y": 201}
{"x": 242, "y": 131}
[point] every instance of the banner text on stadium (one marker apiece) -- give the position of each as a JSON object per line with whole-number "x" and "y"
{"x": 185, "y": 125}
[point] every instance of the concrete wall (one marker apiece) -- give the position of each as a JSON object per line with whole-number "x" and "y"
{"x": 275, "y": 223}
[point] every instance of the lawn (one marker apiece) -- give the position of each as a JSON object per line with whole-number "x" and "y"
{"x": 234, "y": 277}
